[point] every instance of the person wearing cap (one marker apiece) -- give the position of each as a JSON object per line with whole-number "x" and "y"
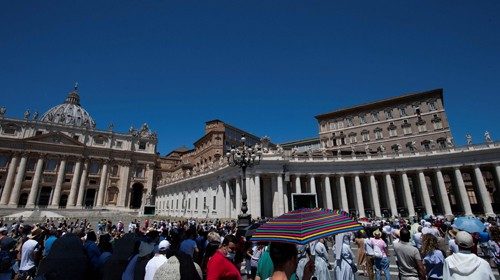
{"x": 464, "y": 264}
{"x": 155, "y": 262}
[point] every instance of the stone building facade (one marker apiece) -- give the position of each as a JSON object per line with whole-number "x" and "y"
{"x": 62, "y": 160}
{"x": 411, "y": 167}
{"x": 413, "y": 122}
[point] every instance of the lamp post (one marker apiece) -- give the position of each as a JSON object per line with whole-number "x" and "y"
{"x": 243, "y": 157}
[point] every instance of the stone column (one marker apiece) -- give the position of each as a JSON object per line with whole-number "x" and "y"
{"x": 312, "y": 183}
{"x": 279, "y": 185}
{"x": 256, "y": 195}
{"x": 483, "y": 191}
{"x": 298, "y": 188}
{"x": 83, "y": 181}
{"x": 102, "y": 185}
{"x": 34, "y": 185}
{"x": 124, "y": 182}
{"x": 238, "y": 196}
{"x": 10, "y": 180}
{"x": 359, "y": 197}
{"x": 343, "y": 194}
{"x": 227, "y": 199}
{"x": 443, "y": 193}
{"x": 375, "y": 199}
{"x": 497, "y": 173}
{"x": 462, "y": 191}
{"x": 390, "y": 195}
{"x": 74, "y": 184}
{"x": 408, "y": 196}
{"x": 14, "y": 196}
{"x": 426, "y": 198}
{"x": 285, "y": 199}
{"x": 328, "y": 193}
{"x": 59, "y": 182}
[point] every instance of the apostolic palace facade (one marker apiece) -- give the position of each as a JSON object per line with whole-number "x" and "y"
{"x": 394, "y": 157}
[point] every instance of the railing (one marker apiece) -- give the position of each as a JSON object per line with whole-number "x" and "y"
{"x": 287, "y": 155}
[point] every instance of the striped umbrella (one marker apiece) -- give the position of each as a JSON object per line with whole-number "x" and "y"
{"x": 305, "y": 225}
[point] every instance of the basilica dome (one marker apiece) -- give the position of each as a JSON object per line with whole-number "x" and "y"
{"x": 69, "y": 113}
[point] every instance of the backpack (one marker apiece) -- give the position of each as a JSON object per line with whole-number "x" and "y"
{"x": 5, "y": 261}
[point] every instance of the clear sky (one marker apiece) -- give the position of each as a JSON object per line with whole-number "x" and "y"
{"x": 267, "y": 67}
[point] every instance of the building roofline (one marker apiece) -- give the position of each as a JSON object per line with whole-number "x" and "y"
{"x": 383, "y": 102}
{"x": 312, "y": 139}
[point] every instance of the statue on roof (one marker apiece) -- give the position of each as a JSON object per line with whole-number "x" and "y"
{"x": 468, "y": 137}
{"x": 27, "y": 114}
{"x": 3, "y": 110}
{"x": 487, "y": 137}
{"x": 35, "y": 116}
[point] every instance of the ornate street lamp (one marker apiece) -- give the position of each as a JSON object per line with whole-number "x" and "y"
{"x": 243, "y": 157}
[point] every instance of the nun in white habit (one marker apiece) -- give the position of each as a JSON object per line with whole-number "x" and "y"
{"x": 344, "y": 259}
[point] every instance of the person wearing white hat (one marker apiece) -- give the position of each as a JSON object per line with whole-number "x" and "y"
{"x": 464, "y": 264}
{"x": 157, "y": 260}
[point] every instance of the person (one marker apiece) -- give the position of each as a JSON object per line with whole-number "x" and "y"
{"x": 321, "y": 263}
{"x": 494, "y": 246}
{"x": 254, "y": 259}
{"x": 93, "y": 252}
{"x": 188, "y": 246}
{"x": 29, "y": 253}
{"x": 417, "y": 238}
{"x": 158, "y": 260}
{"x": 380, "y": 254}
{"x": 433, "y": 257}
{"x": 51, "y": 237}
{"x": 410, "y": 266}
{"x": 284, "y": 258}
{"x": 360, "y": 242}
{"x": 220, "y": 265}
{"x": 146, "y": 253}
{"x": 452, "y": 245}
{"x": 265, "y": 266}
{"x": 464, "y": 264}
{"x": 179, "y": 265}
{"x": 345, "y": 268}
{"x": 369, "y": 257}
{"x": 7, "y": 245}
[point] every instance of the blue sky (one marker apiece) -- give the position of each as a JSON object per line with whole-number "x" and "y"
{"x": 265, "y": 66}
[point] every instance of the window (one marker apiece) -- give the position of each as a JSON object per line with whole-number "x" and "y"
{"x": 406, "y": 127}
{"x": 340, "y": 124}
{"x": 378, "y": 133}
{"x": 9, "y": 130}
{"x": 139, "y": 172}
{"x": 333, "y": 126}
{"x": 426, "y": 145}
{"x": 388, "y": 114}
{"x": 70, "y": 166}
{"x": 51, "y": 165}
{"x": 177, "y": 204}
{"x": 38, "y": 132}
{"x": 421, "y": 126}
{"x": 99, "y": 140}
{"x": 196, "y": 204}
{"x": 375, "y": 117}
{"x": 362, "y": 119}
{"x": 432, "y": 105}
{"x": 94, "y": 167}
{"x": 114, "y": 170}
{"x": 189, "y": 203}
{"x": 205, "y": 202}
{"x": 472, "y": 196}
{"x": 3, "y": 161}
{"x": 349, "y": 122}
{"x": 365, "y": 135}
{"x": 438, "y": 124}
{"x": 410, "y": 146}
{"x": 142, "y": 145}
{"x": 31, "y": 164}
{"x": 402, "y": 112}
{"x": 76, "y": 137}
{"x": 441, "y": 143}
{"x": 395, "y": 148}
{"x": 352, "y": 138}
{"x": 215, "y": 202}
{"x": 119, "y": 144}
{"x": 393, "y": 132}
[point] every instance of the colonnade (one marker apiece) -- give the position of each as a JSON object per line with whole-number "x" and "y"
{"x": 437, "y": 191}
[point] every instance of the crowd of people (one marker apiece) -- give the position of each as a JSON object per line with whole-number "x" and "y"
{"x": 215, "y": 249}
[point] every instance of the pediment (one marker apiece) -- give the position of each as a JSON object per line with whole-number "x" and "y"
{"x": 55, "y": 138}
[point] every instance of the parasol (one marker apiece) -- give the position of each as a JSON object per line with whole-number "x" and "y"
{"x": 305, "y": 225}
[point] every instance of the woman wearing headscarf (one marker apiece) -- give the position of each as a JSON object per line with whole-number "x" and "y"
{"x": 321, "y": 263}
{"x": 345, "y": 267}
{"x": 66, "y": 260}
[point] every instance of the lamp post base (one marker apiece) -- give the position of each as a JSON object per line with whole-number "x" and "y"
{"x": 244, "y": 221}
